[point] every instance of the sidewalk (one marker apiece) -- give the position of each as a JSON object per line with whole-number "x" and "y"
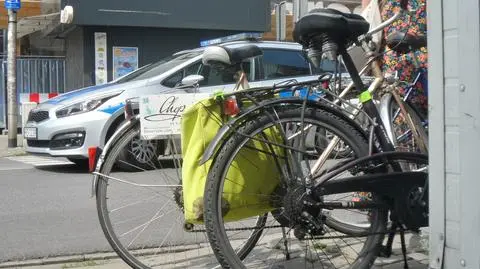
{"x": 197, "y": 254}
{"x": 5, "y": 151}
{"x": 201, "y": 257}
{"x": 119, "y": 264}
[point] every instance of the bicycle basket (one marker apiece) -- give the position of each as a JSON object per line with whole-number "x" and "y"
{"x": 200, "y": 123}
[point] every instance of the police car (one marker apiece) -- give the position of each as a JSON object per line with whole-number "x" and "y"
{"x": 67, "y": 125}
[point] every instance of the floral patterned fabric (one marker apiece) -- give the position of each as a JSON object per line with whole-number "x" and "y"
{"x": 408, "y": 64}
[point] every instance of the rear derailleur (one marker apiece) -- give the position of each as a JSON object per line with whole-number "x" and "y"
{"x": 308, "y": 225}
{"x": 301, "y": 213}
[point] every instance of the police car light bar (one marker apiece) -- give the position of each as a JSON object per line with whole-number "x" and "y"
{"x": 242, "y": 36}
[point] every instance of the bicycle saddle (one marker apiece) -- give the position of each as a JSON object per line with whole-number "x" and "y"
{"x": 404, "y": 42}
{"x": 229, "y": 56}
{"x": 341, "y": 26}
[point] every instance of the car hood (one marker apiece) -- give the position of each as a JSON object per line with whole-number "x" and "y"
{"x": 90, "y": 92}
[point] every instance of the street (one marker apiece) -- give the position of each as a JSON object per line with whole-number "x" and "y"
{"x": 46, "y": 210}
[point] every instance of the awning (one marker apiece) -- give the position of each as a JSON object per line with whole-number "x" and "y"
{"x": 28, "y": 25}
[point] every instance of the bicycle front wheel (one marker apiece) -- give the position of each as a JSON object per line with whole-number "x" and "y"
{"x": 296, "y": 235}
{"x": 141, "y": 213}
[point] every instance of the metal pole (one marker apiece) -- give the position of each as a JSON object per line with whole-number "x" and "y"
{"x": 300, "y": 9}
{"x": 12, "y": 79}
{"x": 281, "y": 20}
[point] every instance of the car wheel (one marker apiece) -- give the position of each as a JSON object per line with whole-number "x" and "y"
{"x": 140, "y": 155}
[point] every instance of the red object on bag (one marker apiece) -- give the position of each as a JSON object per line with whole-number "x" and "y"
{"x": 230, "y": 106}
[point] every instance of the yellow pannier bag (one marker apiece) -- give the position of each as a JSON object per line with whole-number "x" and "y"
{"x": 247, "y": 191}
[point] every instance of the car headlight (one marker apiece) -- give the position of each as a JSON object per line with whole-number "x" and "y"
{"x": 84, "y": 106}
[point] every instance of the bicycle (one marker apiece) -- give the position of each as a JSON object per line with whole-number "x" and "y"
{"x": 302, "y": 199}
{"x": 142, "y": 213}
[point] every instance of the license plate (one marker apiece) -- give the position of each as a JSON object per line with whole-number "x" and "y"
{"x": 30, "y": 132}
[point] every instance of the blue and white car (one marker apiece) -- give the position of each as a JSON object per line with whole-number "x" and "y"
{"x": 69, "y": 124}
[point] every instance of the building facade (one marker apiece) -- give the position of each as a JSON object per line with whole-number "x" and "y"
{"x": 150, "y": 29}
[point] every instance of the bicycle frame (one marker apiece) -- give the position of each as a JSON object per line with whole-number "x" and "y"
{"x": 381, "y": 124}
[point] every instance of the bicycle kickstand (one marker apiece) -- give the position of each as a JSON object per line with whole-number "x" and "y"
{"x": 285, "y": 244}
{"x": 404, "y": 248}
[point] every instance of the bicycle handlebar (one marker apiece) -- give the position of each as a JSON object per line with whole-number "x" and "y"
{"x": 404, "y": 7}
{"x": 384, "y": 24}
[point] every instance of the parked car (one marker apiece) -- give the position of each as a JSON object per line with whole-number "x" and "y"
{"x": 67, "y": 125}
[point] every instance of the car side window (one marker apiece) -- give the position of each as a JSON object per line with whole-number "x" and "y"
{"x": 212, "y": 77}
{"x": 282, "y": 63}
{"x": 174, "y": 79}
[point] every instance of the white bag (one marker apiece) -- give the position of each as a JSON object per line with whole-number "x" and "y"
{"x": 371, "y": 13}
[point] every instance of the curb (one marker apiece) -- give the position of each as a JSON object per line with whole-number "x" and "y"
{"x": 9, "y": 152}
{"x": 62, "y": 260}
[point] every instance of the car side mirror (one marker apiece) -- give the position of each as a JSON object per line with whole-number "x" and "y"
{"x": 191, "y": 81}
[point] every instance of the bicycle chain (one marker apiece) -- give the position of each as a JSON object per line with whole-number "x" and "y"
{"x": 237, "y": 229}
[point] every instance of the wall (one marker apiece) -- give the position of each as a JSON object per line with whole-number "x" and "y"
{"x": 75, "y": 76}
{"x": 272, "y": 35}
{"x": 153, "y": 43}
{"x": 38, "y": 44}
{"x": 454, "y": 68}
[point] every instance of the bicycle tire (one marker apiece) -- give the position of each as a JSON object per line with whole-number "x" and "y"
{"x": 216, "y": 235}
{"x": 416, "y": 120}
{"x": 101, "y": 200}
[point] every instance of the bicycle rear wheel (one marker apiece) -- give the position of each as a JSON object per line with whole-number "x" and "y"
{"x": 141, "y": 213}
{"x": 288, "y": 243}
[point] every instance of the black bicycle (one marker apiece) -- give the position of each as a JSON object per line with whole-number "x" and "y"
{"x": 308, "y": 180}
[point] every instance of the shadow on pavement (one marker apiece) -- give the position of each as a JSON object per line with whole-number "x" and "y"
{"x": 80, "y": 169}
{"x": 64, "y": 169}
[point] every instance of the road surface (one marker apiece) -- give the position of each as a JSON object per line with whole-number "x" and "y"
{"x": 47, "y": 210}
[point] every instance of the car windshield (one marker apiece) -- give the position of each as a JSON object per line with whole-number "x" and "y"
{"x": 158, "y": 68}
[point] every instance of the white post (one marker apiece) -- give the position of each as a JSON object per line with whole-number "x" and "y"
{"x": 12, "y": 79}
